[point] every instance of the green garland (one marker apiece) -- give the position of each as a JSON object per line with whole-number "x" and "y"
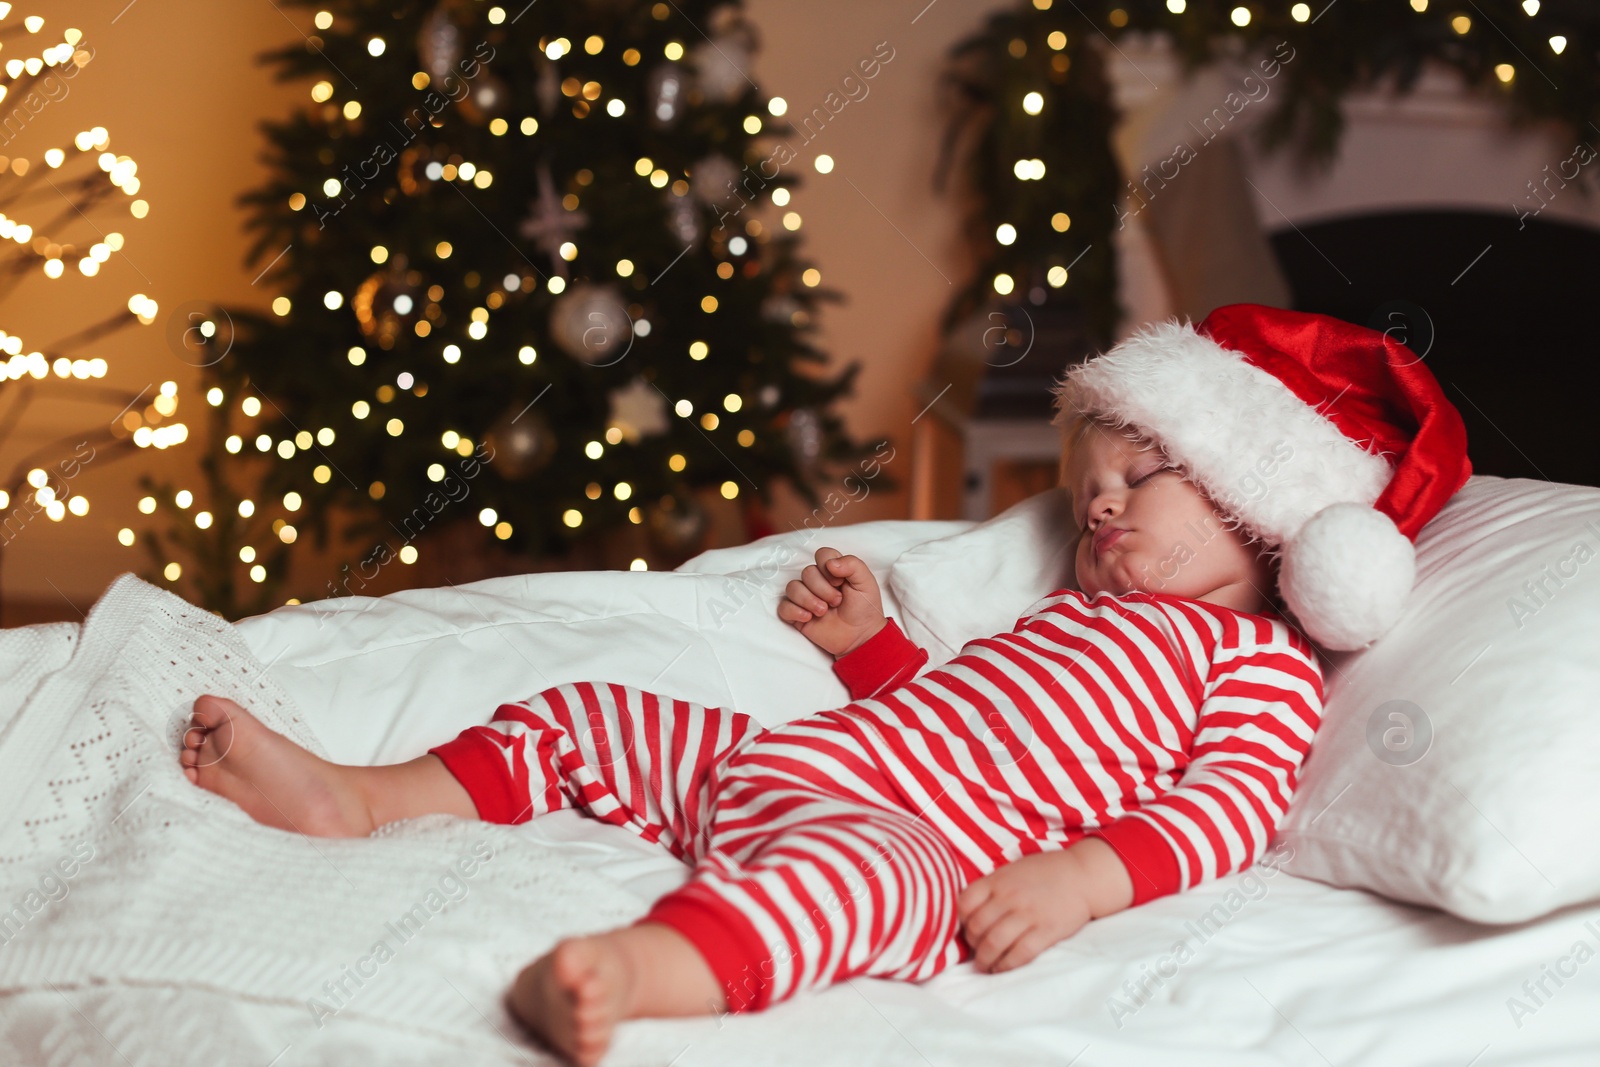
{"x": 1320, "y": 52}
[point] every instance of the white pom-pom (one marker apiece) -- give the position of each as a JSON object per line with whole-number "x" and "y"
{"x": 1346, "y": 575}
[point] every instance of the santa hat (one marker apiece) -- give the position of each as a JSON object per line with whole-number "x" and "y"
{"x": 1330, "y": 442}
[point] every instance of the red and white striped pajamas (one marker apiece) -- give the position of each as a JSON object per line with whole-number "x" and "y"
{"x": 836, "y": 845}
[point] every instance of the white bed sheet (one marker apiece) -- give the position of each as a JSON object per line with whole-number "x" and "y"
{"x": 1300, "y": 973}
{"x": 1292, "y": 971}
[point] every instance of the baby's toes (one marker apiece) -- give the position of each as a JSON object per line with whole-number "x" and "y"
{"x": 211, "y": 711}
{"x": 189, "y": 757}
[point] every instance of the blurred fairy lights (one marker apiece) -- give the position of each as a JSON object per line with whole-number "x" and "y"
{"x": 87, "y": 174}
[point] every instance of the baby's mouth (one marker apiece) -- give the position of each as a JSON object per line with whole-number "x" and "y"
{"x": 1106, "y": 538}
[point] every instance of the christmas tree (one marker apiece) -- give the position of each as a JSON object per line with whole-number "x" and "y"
{"x": 534, "y": 274}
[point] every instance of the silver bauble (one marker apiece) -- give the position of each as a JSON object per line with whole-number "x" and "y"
{"x": 591, "y": 323}
{"x": 521, "y": 442}
{"x": 676, "y": 524}
{"x": 714, "y": 180}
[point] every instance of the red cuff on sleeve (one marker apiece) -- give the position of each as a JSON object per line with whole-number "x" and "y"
{"x": 887, "y": 660}
{"x": 479, "y": 764}
{"x": 726, "y": 940}
{"x": 1151, "y": 863}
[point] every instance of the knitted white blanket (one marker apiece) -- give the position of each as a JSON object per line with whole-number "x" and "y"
{"x": 146, "y": 921}
{"x": 113, "y": 867}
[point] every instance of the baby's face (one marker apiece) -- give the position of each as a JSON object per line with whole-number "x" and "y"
{"x": 1143, "y": 525}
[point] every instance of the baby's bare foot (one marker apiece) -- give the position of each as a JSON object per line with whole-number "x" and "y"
{"x": 228, "y": 751}
{"x": 574, "y": 995}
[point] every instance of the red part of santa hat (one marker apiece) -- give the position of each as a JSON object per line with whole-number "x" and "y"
{"x": 1331, "y": 442}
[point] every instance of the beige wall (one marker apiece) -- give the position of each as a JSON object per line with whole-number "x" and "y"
{"x": 176, "y": 84}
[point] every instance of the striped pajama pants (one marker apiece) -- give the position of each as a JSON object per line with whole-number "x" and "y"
{"x": 810, "y": 867}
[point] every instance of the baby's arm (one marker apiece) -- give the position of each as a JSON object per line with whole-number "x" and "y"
{"x": 1254, "y": 729}
{"x": 837, "y": 605}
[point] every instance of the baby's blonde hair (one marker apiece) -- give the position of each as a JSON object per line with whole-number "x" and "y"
{"x": 1075, "y": 426}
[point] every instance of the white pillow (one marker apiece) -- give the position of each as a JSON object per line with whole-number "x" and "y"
{"x": 1458, "y": 761}
{"x": 976, "y": 583}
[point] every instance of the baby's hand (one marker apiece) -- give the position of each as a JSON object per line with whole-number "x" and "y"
{"x": 1014, "y": 913}
{"x": 835, "y": 603}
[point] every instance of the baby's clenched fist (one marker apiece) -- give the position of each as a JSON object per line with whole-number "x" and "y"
{"x": 835, "y": 603}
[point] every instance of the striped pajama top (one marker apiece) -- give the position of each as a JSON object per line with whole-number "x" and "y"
{"x": 1172, "y": 728}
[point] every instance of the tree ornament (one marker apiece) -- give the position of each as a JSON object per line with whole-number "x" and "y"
{"x": 684, "y": 218}
{"x": 721, "y": 63}
{"x": 780, "y": 307}
{"x": 714, "y": 180}
{"x": 549, "y": 225}
{"x": 521, "y": 442}
{"x": 591, "y": 323}
{"x": 804, "y": 433}
{"x": 412, "y": 170}
{"x": 486, "y": 99}
{"x": 439, "y": 44}
{"x": 676, "y": 524}
{"x": 665, "y": 94}
{"x": 548, "y": 87}
{"x": 639, "y": 410}
{"x": 386, "y": 304}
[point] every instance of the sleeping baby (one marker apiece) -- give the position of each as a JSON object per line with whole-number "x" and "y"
{"x": 1128, "y": 739}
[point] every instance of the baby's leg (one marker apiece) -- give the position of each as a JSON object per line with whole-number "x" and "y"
{"x": 823, "y": 874}
{"x": 575, "y": 994}
{"x": 633, "y": 759}
{"x": 228, "y": 751}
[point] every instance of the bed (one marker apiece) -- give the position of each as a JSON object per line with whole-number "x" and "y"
{"x": 184, "y": 933}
